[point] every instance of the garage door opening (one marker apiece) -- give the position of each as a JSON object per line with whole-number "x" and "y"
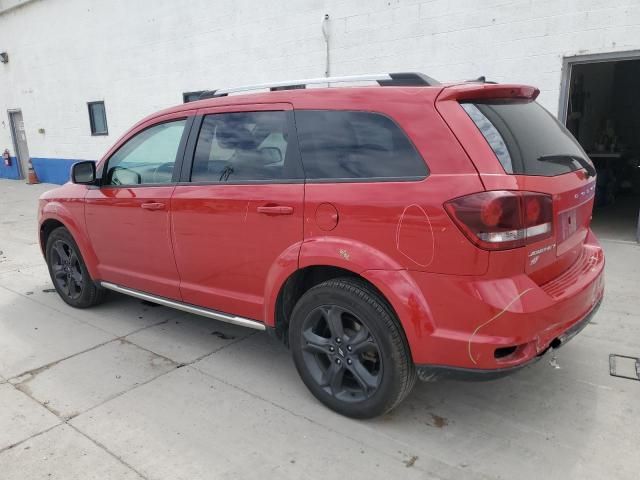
{"x": 601, "y": 107}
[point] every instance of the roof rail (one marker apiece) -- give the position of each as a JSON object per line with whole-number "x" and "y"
{"x": 406, "y": 79}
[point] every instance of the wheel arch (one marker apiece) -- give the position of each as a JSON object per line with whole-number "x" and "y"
{"x": 401, "y": 295}
{"x": 46, "y": 227}
{"x": 341, "y": 254}
{"x": 55, "y": 216}
{"x": 298, "y": 283}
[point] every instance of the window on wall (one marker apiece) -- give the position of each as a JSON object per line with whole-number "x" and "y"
{"x": 98, "y": 118}
{"x": 192, "y": 96}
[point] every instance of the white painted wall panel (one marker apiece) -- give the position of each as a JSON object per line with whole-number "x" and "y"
{"x": 140, "y": 56}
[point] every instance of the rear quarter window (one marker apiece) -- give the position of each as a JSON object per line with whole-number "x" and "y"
{"x": 351, "y": 146}
{"x": 524, "y": 137}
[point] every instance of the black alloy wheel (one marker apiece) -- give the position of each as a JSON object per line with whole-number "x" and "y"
{"x": 341, "y": 354}
{"x": 68, "y": 271}
{"x": 349, "y": 348}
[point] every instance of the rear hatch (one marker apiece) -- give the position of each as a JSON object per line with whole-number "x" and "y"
{"x": 519, "y": 148}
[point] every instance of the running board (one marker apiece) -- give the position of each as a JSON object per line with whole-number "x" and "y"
{"x": 185, "y": 307}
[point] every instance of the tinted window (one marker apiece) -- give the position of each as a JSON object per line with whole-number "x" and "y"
{"x": 244, "y": 146}
{"x": 148, "y": 157}
{"x": 526, "y": 139}
{"x": 355, "y": 145}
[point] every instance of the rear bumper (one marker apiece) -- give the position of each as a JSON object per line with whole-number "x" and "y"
{"x": 430, "y": 373}
{"x": 496, "y": 325}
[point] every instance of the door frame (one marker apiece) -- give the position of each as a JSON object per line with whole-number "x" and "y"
{"x": 565, "y": 85}
{"x": 14, "y": 140}
{"x": 567, "y": 67}
{"x": 103, "y": 195}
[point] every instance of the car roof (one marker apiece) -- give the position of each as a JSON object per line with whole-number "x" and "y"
{"x": 298, "y": 91}
{"x": 391, "y": 88}
{"x": 355, "y": 98}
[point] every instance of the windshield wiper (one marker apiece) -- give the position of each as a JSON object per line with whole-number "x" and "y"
{"x": 563, "y": 158}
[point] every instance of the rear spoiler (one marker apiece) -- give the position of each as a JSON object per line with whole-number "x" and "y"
{"x": 486, "y": 91}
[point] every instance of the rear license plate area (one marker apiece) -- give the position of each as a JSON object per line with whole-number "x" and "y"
{"x": 567, "y": 224}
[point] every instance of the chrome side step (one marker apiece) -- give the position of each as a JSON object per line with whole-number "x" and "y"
{"x": 185, "y": 307}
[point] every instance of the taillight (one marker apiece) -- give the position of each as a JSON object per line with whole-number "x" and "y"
{"x": 500, "y": 220}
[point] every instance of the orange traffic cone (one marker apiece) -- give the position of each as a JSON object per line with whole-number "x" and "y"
{"x": 32, "y": 178}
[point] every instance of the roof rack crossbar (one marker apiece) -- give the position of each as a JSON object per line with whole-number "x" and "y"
{"x": 409, "y": 79}
{"x": 208, "y": 94}
{"x": 383, "y": 79}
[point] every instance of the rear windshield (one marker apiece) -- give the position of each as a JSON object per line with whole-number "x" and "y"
{"x": 526, "y": 139}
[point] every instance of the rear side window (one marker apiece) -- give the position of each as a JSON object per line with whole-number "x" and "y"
{"x": 526, "y": 139}
{"x": 345, "y": 145}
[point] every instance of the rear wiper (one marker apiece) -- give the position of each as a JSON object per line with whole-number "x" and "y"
{"x": 563, "y": 158}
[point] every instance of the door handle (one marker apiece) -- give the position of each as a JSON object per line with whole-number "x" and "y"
{"x": 153, "y": 206}
{"x": 275, "y": 210}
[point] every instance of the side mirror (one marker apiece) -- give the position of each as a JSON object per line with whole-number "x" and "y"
{"x": 83, "y": 173}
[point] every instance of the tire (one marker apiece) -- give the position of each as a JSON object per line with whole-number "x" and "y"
{"x": 349, "y": 349}
{"x": 69, "y": 273}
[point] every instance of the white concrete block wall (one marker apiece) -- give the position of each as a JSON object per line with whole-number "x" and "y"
{"x": 141, "y": 56}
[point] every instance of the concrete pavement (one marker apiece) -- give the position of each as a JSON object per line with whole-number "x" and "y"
{"x": 127, "y": 390}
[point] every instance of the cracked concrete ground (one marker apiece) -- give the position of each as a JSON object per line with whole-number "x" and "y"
{"x": 129, "y": 391}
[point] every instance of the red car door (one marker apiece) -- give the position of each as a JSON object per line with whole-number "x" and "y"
{"x": 238, "y": 209}
{"x": 128, "y": 218}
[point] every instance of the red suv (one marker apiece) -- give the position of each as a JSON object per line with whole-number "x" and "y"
{"x": 382, "y": 232}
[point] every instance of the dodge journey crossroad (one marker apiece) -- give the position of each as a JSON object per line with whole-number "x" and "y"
{"x": 387, "y": 232}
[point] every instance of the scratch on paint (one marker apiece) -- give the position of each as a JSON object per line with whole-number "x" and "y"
{"x": 495, "y": 317}
{"x": 433, "y": 240}
{"x": 246, "y": 212}
{"x": 344, "y": 254}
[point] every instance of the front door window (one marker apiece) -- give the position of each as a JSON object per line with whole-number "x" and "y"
{"x": 148, "y": 158}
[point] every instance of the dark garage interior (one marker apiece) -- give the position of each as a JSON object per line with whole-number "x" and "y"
{"x": 603, "y": 113}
